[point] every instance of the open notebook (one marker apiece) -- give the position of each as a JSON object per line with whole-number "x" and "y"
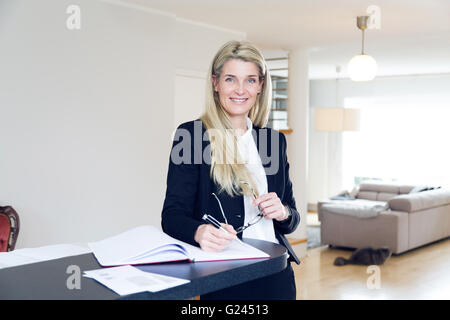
{"x": 147, "y": 244}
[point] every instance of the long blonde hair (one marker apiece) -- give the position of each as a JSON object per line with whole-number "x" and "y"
{"x": 227, "y": 169}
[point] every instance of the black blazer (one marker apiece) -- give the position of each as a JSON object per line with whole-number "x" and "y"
{"x": 189, "y": 184}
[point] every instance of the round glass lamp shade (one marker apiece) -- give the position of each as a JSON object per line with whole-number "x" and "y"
{"x": 362, "y": 67}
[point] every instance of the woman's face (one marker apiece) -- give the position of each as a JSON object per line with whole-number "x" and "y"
{"x": 238, "y": 86}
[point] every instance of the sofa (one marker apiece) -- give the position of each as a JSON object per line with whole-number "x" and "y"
{"x": 378, "y": 214}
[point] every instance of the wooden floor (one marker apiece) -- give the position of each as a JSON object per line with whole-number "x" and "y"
{"x": 423, "y": 273}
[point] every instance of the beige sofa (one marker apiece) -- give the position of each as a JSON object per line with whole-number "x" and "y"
{"x": 395, "y": 216}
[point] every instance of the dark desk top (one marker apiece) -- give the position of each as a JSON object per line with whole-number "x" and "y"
{"x": 48, "y": 279}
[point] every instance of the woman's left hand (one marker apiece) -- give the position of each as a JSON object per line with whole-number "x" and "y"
{"x": 271, "y": 206}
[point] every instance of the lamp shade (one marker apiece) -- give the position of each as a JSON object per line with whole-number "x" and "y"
{"x": 336, "y": 119}
{"x": 362, "y": 67}
{"x": 328, "y": 119}
{"x": 351, "y": 120}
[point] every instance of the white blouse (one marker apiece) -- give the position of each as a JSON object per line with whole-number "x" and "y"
{"x": 263, "y": 229}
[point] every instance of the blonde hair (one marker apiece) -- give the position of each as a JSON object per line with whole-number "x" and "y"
{"x": 225, "y": 173}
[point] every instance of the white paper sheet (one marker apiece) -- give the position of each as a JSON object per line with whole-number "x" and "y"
{"x": 32, "y": 255}
{"x": 10, "y": 259}
{"x": 126, "y": 280}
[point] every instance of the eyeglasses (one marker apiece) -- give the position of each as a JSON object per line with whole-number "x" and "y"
{"x": 253, "y": 221}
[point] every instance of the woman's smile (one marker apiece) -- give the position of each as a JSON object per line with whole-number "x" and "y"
{"x": 239, "y": 100}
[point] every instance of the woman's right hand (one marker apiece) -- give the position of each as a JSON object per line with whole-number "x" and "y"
{"x": 213, "y": 239}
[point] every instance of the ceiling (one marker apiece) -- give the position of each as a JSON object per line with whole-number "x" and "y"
{"x": 414, "y": 35}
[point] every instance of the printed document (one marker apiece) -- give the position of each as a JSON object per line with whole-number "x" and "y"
{"x": 126, "y": 280}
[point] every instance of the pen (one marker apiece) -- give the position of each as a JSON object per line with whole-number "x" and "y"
{"x": 214, "y": 222}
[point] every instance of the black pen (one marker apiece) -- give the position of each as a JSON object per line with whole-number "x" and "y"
{"x": 214, "y": 222}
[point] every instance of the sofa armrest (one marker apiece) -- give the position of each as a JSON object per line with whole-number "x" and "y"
{"x": 319, "y": 208}
{"x": 420, "y": 200}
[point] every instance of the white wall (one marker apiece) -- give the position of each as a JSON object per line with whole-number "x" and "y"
{"x": 189, "y": 96}
{"x": 325, "y": 149}
{"x": 197, "y": 43}
{"x": 87, "y": 115}
{"x": 195, "y": 47}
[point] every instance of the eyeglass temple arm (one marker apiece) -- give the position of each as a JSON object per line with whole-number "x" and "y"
{"x": 221, "y": 209}
{"x": 254, "y": 195}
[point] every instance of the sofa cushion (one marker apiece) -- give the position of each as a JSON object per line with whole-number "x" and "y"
{"x": 357, "y": 208}
{"x": 367, "y": 195}
{"x": 384, "y": 196}
{"x": 420, "y": 200}
{"x": 385, "y": 187}
{"x": 379, "y": 187}
{"x": 406, "y": 189}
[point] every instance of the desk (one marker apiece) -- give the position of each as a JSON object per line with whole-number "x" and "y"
{"x": 47, "y": 280}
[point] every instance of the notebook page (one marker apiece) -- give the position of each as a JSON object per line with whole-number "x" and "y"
{"x": 236, "y": 250}
{"x": 158, "y": 251}
{"x": 161, "y": 257}
{"x": 122, "y": 248}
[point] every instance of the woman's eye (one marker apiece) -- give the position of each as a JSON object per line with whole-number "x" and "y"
{"x": 228, "y": 79}
{"x": 251, "y": 80}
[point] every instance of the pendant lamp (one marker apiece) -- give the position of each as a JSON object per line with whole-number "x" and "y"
{"x": 362, "y": 67}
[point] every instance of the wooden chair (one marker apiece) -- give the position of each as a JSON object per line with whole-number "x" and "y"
{"x": 9, "y": 228}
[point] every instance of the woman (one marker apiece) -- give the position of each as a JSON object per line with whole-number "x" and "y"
{"x": 228, "y": 165}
